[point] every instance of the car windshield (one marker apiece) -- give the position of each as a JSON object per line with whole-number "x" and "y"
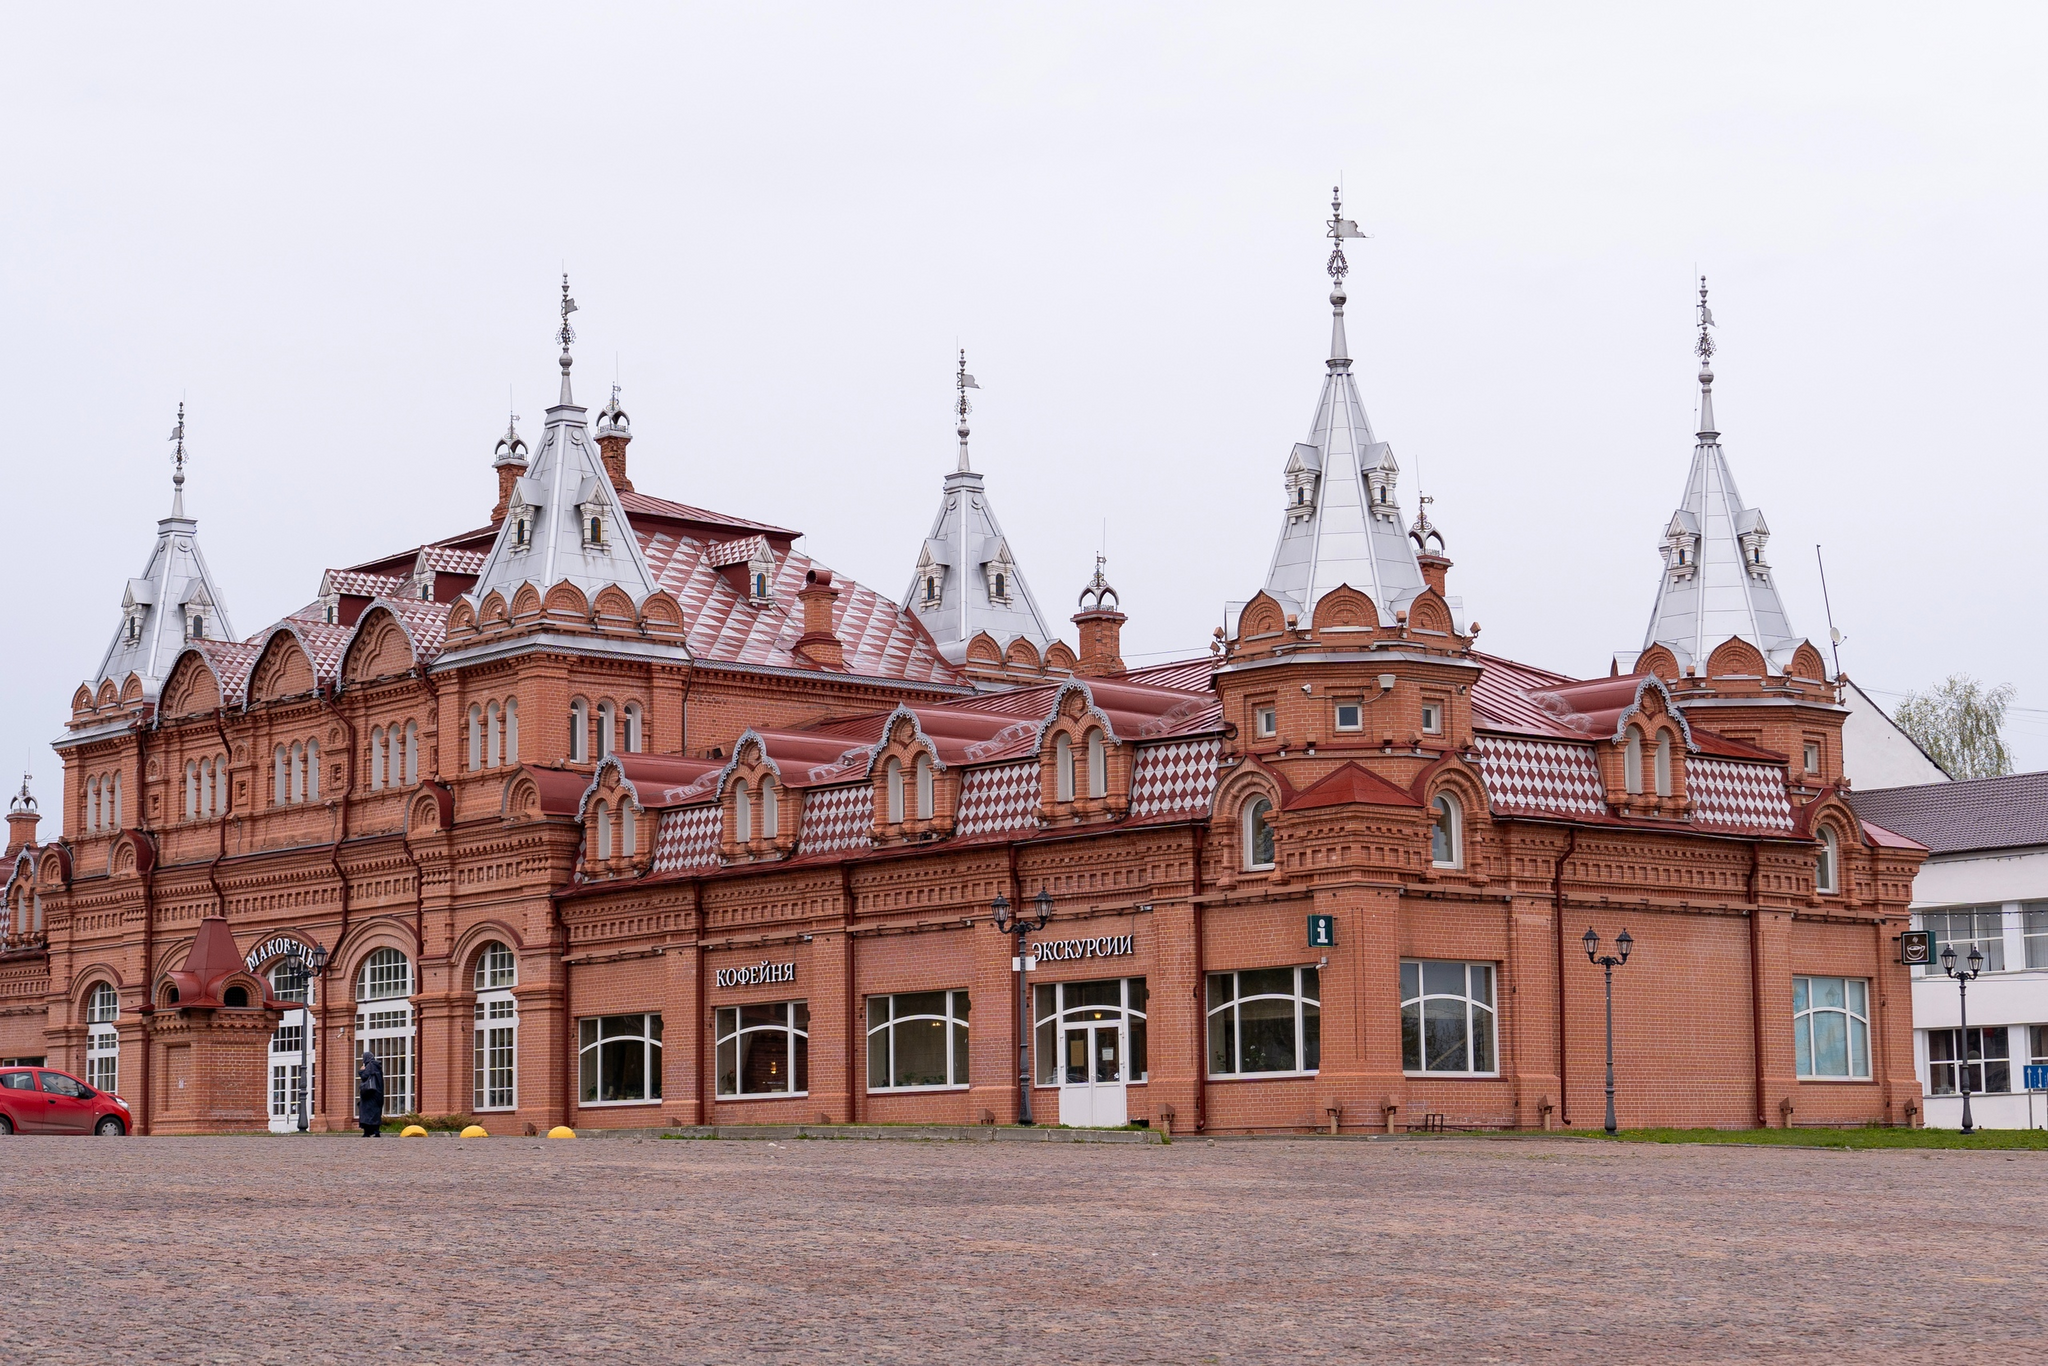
{"x": 18, "y": 1081}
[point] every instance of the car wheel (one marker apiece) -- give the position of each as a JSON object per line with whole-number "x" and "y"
{"x": 6, "y": 1126}
{"x": 110, "y": 1128}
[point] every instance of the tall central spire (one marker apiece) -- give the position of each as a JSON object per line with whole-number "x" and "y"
{"x": 961, "y": 407}
{"x": 178, "y": 464}
{"x": 1704, "y": 348}
{"x": 567, "y": 335}
{"x": 1340, "y": 228}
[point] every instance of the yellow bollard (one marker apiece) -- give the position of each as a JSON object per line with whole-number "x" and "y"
{"x": 412, "y": 1131}
{"x": 561, "y": 1131}
{"x": 476, "y": 1131}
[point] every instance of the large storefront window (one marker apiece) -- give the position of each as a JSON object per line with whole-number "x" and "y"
{"x": 496, "y": 1043}
{"x": 1831, "y": 1027}
{"x": 621, "y": 1059}
{"x": 384, "y": 1023}
{"x": 103, "y": 1043}
{"x": 1270, "y": 1020}
{"x": 1989, "y": 1061}
{"x": 764, "y": 1050}
{"x": 1447, "y": 1018}
{"x": 917, "y": 1042}
{"x": 1068, "y": 1007}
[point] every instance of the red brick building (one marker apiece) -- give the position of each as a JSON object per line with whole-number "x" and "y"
{"x": 618, "y": 812}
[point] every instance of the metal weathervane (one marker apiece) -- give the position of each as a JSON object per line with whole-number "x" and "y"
{"x": 1340, "y": 228}
{"x": 178, "y": 456}
{"x": 568, "y": 333}
{"x": 1704, "y": 348}
{"x": 961, "y": 407}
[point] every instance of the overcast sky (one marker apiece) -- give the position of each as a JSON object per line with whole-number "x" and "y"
{"x": 338, "y": 235}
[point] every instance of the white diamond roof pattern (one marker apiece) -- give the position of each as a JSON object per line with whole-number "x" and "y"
{"x": 837, "y": 818}
{"x": 1002, "y": 797}
{"x": 687, "y": 839}
{"x": 1173, "y": 779}
{"x": 1541, "y": 775}
{"x": 1737, "y": 796}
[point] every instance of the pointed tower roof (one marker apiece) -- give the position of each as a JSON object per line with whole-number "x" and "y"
{"x": 1343, "y": 518}
{"x": 174, "y": 590}
{"x": 1716, "y": 581}
{"x": 547, "y": 535}
{"x": 967, "y": 580}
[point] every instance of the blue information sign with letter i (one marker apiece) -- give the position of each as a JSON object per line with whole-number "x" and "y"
{"x": 1322, "y": 931}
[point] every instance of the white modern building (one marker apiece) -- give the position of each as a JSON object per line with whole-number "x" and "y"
{"x": 1985, "y": 886}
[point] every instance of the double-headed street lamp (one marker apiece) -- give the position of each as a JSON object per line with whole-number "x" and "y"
{"x": 312, "y": 962}
{"x": 1014, "y": 920}
{"x": 1963, "y": 977}
{"x": 1608, "y": 961}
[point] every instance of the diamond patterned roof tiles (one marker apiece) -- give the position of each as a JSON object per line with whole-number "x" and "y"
{"x": 1541, "y": 775}
{"x": 1175, "y": 779}
{"x": 687, "y": 838}
{"x": 837, "y": 818}
{"x": 357, "y": 584}
{"x": 999, "y": 798}
{"x": 1736, "y": 796}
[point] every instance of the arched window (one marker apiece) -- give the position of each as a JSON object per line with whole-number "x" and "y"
{"x": 604, "y": 832}
{"x": 476, "y": 737}
{"x": 1826, "y": 864}
{"x": 760, "y": 584}
{"x": 376, "y": 758}
{"x": 1098, "y": 766}
{"x": 1664, "y": 764}
{"x": 217, "y": 788}
{"x": 999, "y": 584}
{"x": 924, "y": 787}
{"x": 607, "y": 735}
{"x": 384, "y": 1024}
{"x": 296, "y": 791}
{"x": 511, "y": 732}
{"x": 1447, "y": 836}
{"x": 579, "y": 730}
{"x": 771, "y": 810}
{"x": 1632, "y": 761}
{"x": 894, "y": 772}
{"x": 494, "y": 735}
{"x": 597, "y": 531}
{"x": 103, "y": 1041}
{"x": 1063, "y": 768}
{"x": 192, "y": 807}
{"x": 742, "y": 812}
{"x": 312, "y": 793}
{"x": 629, "y": 829}
{"x": 496, "y": 1054}
{"x": 634, "y": 741}
{"x": 280, "y": 778}
{"x": 1258, "y": 833}
{"x": 91, "y": 818}
{"x": 412, "y": 752}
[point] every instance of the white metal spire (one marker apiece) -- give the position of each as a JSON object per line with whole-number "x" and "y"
{"x": 173, "y": 600}
{"x": 1717, "y": 581}
{"x": 1343, "y": 515}
{"x": 564, "y": 521}
{"x": 967, "y": 580}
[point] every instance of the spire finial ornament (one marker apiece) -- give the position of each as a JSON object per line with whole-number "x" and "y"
{"x": 1096, "y": 594}
{"x": 566, "y": 335}
{"x": 24, "y": 801}
{"x": 1704, "y": 349}
{"x": 178, "y": 464}
{"x": 961, "y": 407}
{"x": 1340, "y": 228}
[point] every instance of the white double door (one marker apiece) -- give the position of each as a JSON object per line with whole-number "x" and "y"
{"x": 1092, "y": 1066}
{"x": 287, "y": 1067}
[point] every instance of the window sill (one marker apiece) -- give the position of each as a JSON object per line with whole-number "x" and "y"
{"x": 1452, "y": 1076}
{"x": 509, "y": 1109}
{"x": 1261, "y": 1076}
{"x": 761, "y": 1095}
{"x": 613, "y": 1104}
{"x": 916, "y": 1090}
{"x": 1061, "y": 1086}
{"x": 1836, "y": 1081}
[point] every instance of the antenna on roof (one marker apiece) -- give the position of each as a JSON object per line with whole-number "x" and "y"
{"x": 1835, "y": 638}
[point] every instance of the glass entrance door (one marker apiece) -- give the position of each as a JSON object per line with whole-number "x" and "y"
{"x": 1092, "y": 1076}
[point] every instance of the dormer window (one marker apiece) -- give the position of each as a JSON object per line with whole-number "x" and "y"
{"x": 522, "y": 528}
{"x": 592, "y": 517}
{"x": 1002, "y": 576}
{"x": 426, "y": 590}
{"x": 593, "y": 531}
{"x": 197, "y": 630}
{"x": 931, "y": 590}
{"x": 760, "y": 584}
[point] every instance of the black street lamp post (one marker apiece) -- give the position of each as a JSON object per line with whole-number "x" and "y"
{"x": 1609, "y": 961}
{"x": 312, "y": 962}
{"x": 1015, "y": 921}
{"x": 1963, "y": 977}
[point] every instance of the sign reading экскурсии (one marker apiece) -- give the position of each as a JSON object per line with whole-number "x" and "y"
{"x": 1103, "y": 946}
{"x": 757, "y": 974}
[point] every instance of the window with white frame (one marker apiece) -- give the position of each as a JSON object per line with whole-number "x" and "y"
{"x": 1059, "y": 1006}
{"x": 1432, "y": 718}
{"x": 1632, "y": 762}
{"x": 771, "y": 812}
{"x": 925, "y": 801}
{"x": 1831, "y": 1028}
{"x": 1266, "y": 721}
{"x": 1350, "y": 716}
{"x": 917, "y": 1041}
{"x": 103, "y": 1042}
{"x": 1447, "y": 833}
{"x": 1267, "y": 1020}
{"x": 1661, "y": 767}
{"x": 2038, "y": 1054}
{"x": 579, "y": 730}
{"x": 607, "y": 730}
{"x": 496, "y": 1044}
{"x": 1980, "y": 928}
{"x": 1063, "y": 767}
{"x": 764, "y": 1050}
{"x": 634, "y": 740}
{"x": 893, "y": 780}
{"x": 2034, "y": 932}
{"x": 1988, "y": 1063}
{"x": 1258, "y": 833}
{"x": 1098, "y": 765}
{"x": 1812, "y": 757}
{"x": 1447, "y": 1018}
{"x": 384, "y": 1024}
{"x": 1826, "y": 863}
{"x": 620, "y": 1060}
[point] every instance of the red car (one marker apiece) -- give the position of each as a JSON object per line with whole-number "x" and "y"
{"x": 35, "y": 1100}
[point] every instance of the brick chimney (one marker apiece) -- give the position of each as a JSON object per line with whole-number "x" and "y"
{"x": 1101, "y": 627}
{"x": 22, "y": 818}
{"x": 613, "y": 434}
{"x": 1434, "y": 567}
{"x": 510, "y": 463}
{"x": 1429, "y": 546}
{"x": 818, "y": 643}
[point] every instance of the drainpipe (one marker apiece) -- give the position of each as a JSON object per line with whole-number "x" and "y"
{"x": 1564, "y": 1102}
{"x": 572, "y": 1080}
{"x": 1756, "y": 980}
{"x": 707, "y": 1059}
{"x": 326, "y": 693}
{"x": 1201, "y": 1116}
{"x": 148, "y": 1010}
{"x": 1020, "y": 1000}
{"x": 856, "y": 1034}
{"x": 213, "y": 869}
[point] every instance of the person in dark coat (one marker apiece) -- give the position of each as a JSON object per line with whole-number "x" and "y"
{"x": 370, "y": 1095}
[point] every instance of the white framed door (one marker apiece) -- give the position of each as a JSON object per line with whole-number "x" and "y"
{"x": 287, "y": 1069}
{"x": 1092, "y": 1075}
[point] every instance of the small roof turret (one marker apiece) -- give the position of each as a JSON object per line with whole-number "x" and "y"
{"x": 967, "y": 580}
{"x": 173, "y": 600}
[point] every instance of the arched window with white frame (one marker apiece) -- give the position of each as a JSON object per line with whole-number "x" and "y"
{"x": 607, "y": 733}
{"x": 1258, "y": 833}
{"x": 1632, "y": 761}
{"x": 604, "y": 831}
{"x": 894, "y": 774}
{"x": 771, "y": 809}
{"x": 1063, "y": 767}
{"x": 476, "y": 736}
{"x": 1447, "y": 832}
{"x": 376, "y": 758}
{"x": 496, "y": 1054}
{"x": 412, "y": 753}
{"x": 511, "y": 730}
{"x": 1098, "y": 765}
{"x": 103, "y": 1041}
{"x": 116, "y": 822}
{"x": 384, "y": 1023}
{"x": 635, "y": 741}
{"x": 1663, "y": 766}
{"x": 192, "y": 807}
{"x": 629, "y": 824}
{"x": 1827, "y": 872}
{"x": 925, "y": 800}
{"x": 296, "y": 790}
{"x": 312, "y": 792}
{"x": 579, "y": 730}
{"x": 281, "y": 777}
{"x": 742, "y": 812}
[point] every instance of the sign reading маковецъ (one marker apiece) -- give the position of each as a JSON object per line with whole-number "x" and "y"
{"x": 1104, "y": 946}
{"x": 275, "y": 947}
{"x": 757, "y": 974}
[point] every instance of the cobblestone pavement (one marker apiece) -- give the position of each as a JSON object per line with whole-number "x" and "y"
{"x": 440, "y": 1250}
